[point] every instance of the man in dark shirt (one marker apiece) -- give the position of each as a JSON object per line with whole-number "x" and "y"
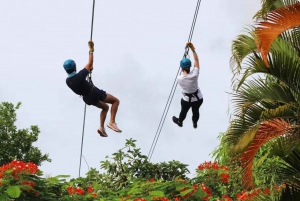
{"x": 90, "y": 93}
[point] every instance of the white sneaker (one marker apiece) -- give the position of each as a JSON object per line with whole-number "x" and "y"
{"x": 114, "y": 127}
{"x": 102, "y": 132}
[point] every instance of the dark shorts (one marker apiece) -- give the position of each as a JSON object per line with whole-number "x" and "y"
{"x": 95, "y": 96}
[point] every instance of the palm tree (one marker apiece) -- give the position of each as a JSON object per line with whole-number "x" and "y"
{"x": 266, "y": 97}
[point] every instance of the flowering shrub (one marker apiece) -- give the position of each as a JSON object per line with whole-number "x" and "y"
{"x": 16, "y": 177}
{"x": 215, "y": 178}
{"x": 19, "y": 180}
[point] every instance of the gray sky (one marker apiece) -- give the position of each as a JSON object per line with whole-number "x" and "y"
{"x": 138, "y": 46}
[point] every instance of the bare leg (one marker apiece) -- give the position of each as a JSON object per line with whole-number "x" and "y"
{"x": 103, "y": 113}
{"x": 114, "y": 106}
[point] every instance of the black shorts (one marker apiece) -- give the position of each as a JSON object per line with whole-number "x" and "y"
{"x": 95, "y": 96}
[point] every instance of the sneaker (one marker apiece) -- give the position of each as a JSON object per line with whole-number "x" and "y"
{"x": 114, "y": 127}
{"x": 102, "y": 132}
{"x": 176, "y": 121}
{"x": 195, "y": 125}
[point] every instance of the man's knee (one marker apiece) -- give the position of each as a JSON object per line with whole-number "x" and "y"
{"x": 103, "y": 106}
{"x": 117, "y": 101}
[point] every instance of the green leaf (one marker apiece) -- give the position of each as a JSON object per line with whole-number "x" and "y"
{"x": 178, "y": 188}
{"x": 186, "y": 192}
{"x": 262, "y": 159}
{"x": 4, "y": 197}
{"x": 14, "y": 191}
{"x": 157, "y": 193}
{"x": 200, "y": 193}
{"x": 8, "y": 171}
{"x": 62, "y": 176}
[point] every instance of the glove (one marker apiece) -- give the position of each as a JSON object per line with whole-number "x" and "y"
{"x": 91, "y": 45}
{"x": 190, "y": 45}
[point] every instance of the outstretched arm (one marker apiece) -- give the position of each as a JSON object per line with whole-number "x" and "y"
{"x": 196, "y": 62}
{"x": 89, "y": 65}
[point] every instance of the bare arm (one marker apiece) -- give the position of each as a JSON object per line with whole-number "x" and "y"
{"x": 191, "y": 46}
{"x": 196, "y": 63}
{"x": 89, "y": 65}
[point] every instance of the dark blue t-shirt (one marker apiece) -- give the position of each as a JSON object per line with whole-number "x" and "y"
{"x": 79, "y": 84}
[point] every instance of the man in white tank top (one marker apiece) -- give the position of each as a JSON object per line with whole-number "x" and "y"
{"x": 192, "y": 96}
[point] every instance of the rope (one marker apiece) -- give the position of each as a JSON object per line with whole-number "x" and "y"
{"x": 89, "y": 80}
{"x": 171, "y": 95}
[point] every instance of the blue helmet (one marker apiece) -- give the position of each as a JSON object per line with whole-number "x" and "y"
{"x": 69, "y": 64}
{"x": 185, "y": 63}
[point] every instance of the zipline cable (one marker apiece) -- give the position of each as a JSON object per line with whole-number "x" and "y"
{"x": 171, "y": 95}
{"x": 89, "y": 80}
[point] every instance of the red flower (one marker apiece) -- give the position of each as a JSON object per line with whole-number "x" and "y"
{"x": 207, "y": 165}
{"x": 227, "y": 198}
{"x": 79, "y": 191}
{"x": 90, "y": 190}
{"x": 152, "y": 180}
{"x": 70, "y": 190}
{"x": 200, "y": 167}
{"x": 224, "y": 178}
{"x": 215, "y": 166}
{"x": 242, "y": 196}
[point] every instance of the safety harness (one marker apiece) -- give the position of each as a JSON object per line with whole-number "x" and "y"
{"x": 195, "y": 94}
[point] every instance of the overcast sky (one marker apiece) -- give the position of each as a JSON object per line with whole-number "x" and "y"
{"x": 138, "y": 47}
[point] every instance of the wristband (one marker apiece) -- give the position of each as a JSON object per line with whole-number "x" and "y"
{"x": 91, "y": 52}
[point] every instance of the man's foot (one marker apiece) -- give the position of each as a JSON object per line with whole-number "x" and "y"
{"x": 176, "y": 121}
{"x": 102, "y": 132}
{"x": 114, "y": 127}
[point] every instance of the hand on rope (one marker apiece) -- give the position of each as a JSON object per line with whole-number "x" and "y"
{"x": 91, "y": 45}
{"x": 190, "y": 45}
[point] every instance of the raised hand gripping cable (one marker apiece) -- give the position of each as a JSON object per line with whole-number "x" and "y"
{"x": 89, "y": 80}
{"x": 171, "y": 95}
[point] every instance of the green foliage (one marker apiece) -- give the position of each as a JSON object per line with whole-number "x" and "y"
{"x": 17, "y": 144}
{"x": 24, "y": 182}
{"x": 124, "y": 167}
{"x": 13, "y": 191}
{"x": 263, "y": 94}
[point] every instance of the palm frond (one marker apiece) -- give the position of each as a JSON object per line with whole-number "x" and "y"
{"x": 292, "y": 36}
{"x": 241, "y": 47}
{"x": 289, "y": 172}
{"x": 257, "y": 90}
{"x": 289, "y": 194}
{"x": 284, "y": 145}
{"x": 249, "y": 116}
{"x": 284, "y": 62}
{"x": 269, "y": 5}
{"x": 278, "y": 21}
{"x": 266, "y": 131}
